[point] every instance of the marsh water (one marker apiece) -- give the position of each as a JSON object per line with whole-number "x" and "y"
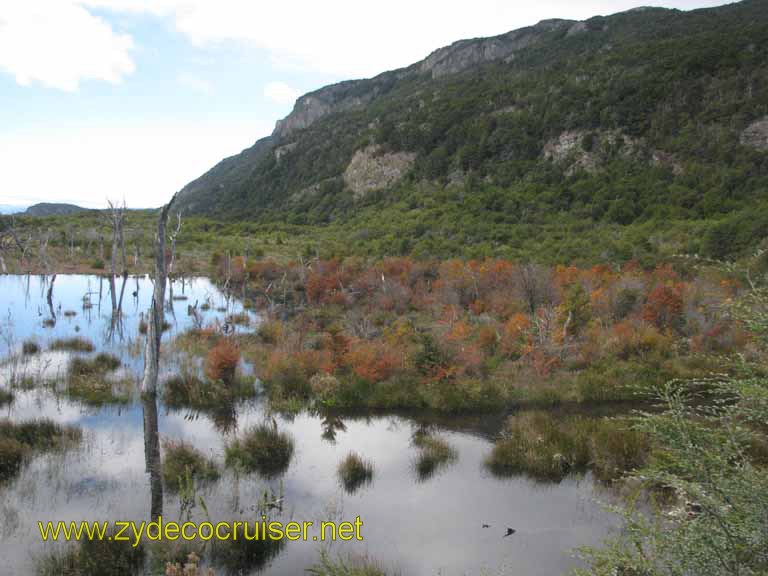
{"x": 452, "y": 522}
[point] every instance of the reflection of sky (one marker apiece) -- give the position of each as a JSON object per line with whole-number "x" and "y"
{"x": 412, "y": 527}
{"x": 24, "y": 308}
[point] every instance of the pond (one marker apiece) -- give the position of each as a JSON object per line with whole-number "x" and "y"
{"x": 450, "y": 520}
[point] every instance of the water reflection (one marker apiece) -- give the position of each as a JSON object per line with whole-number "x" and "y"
{"x": 419, "y": 518}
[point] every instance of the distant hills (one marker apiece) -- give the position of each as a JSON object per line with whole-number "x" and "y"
{"x": 52, "y": 209}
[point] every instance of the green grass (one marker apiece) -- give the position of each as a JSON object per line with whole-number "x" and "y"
{"x": 182, "y": 461}
{"x": 350, "y": 566}
{"x": 75, "y": 344}
{"x": 88, "y": 381}
{"x": 19, "y": 440}
{"x": 187, "y": 390}
{"x": 548, "y": 447}
{"x": 354, "y": 472}
{"x": 93, "y": 558}
{"x": 263, "y": 449}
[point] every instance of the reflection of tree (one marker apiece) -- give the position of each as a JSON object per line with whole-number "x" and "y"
{"x": 152, "y": 454}
{"x": 331, "y": 425}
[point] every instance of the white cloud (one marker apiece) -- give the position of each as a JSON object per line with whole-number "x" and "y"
{"x": 281, "y": 93}
{"x": 349, "y": 38}
{"x": 59, "y": 43}
{"x": 145, "y": 163}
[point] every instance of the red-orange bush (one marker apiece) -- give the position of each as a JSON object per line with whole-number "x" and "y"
{"x": 664, "y": 306}
{"x": 374, "y": 361}
{"x": 222, "y": 360}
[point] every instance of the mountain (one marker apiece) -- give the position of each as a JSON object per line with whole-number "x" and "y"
{"x": 628, "y": 122}
{"x": 52, "y": 209}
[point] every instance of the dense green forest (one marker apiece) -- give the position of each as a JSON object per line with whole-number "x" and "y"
{"x": 618, "y": 138}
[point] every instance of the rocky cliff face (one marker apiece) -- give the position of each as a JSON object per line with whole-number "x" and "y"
{"x": 756, "y": 135}
{"x": 452, "y": 59}
{"x": 465, "y": 54}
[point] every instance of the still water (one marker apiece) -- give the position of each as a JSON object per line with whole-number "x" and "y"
{"x": 412, "y": 525}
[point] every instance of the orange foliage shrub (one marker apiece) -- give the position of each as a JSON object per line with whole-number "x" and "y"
{"x": 515, "y": 334}
{"x": 632, "y": 337}
{"x": 664, "y": 306}
{"x": 374, "y": 361}
{"x": 222, "y": 360}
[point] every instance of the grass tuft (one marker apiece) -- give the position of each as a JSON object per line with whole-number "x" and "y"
{"x": 182, "y": 461}
{"x": 354, "y": 472}
{"x": 263, "y": 449}
{"x": 75, "y": 344}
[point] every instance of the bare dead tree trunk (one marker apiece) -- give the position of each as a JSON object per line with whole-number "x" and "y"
{"x": 116, "y": 218}
{"x": 156, "y": 316}
{"x": 152, "y": 456}
{"x": 3, "y": 267}
{"x": 173, "y": 237}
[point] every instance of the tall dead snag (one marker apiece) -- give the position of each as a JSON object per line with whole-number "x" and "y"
{"x": 173, "y": 235}
{"x": 116, "y": 219}
{"x": 156, "y": 316}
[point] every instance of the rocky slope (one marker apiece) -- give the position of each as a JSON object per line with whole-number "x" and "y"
{"x": 618, "y": 119}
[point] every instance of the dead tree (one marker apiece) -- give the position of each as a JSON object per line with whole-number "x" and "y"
{"x": 116, "y": 219}
{"x": 173, "y": 237}
{"x": 10, "y": 240}
{"x": 156, "y": 316}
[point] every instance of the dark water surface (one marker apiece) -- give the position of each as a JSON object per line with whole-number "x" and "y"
{"x": 412, "y": 525}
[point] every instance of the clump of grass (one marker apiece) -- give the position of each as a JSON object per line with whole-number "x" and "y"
{"x": 351, "y": 566}
{"x": 354, "y": 472}
{"x": 100, "y": 364}
{"x": 107, "y": 557}
{"x": 434, "y": 453}
{"x": 245, "y": 556}
{"x": 181, "y": 461}
{"x": 6, "y": 397}
{"x": 17, "y": 440}
{"x": 180, "y": 297}
{"x": 88, "y": 380}
{"x": 30, "y": 347}
{"x": 186, "y": 390}
{"x": 75, "y": 344}
{"x": 240, "y": 319}
{"x": 263, "y": 449}
{"x": 11, "y": 456}
{"x": 222, "y": 360}
{"x": 70, "y": 313}
{"x": 548, "y": 448}
{"x": 49, "y": 323}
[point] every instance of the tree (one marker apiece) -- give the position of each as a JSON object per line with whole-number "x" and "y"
{"x": 156, "y": 316}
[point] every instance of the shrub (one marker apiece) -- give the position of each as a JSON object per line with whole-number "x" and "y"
{"x": 11, "y": 456}
{"x": 374, "y": 361}
{"x": 182, "y": 461}
{"x": 6, "y": 397}
{"x": 354, "y": 472}
{"x": 271, "y": 331}
{"x": 263, "y": 449}
{"x": 222, "y": 360}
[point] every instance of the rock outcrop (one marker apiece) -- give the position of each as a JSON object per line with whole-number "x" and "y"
{"x": 756, "y": 135}
{"x": 371, "y": 170}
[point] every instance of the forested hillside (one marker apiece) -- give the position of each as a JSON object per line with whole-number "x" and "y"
{"x": 620, "y": 137}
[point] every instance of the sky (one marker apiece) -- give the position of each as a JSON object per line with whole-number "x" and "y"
{"x": 132, "y": 99}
